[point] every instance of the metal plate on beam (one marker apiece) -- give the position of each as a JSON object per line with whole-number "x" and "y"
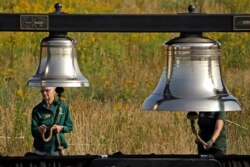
{"x": 241, "y": 23}
{"x": 34, "y": 22}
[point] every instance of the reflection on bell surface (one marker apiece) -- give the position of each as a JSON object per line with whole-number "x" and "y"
{"x": 192, "y": 80}
{"x": 58, "y": 65}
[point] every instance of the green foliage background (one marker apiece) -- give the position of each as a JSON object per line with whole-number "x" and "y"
{"x": 123, "y": 69}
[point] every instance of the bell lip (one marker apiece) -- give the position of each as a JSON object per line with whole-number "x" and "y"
{"x": 159, "y": 103}
{"x": 34, "y": 82}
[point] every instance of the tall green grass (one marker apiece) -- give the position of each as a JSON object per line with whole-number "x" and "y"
{"x": 123, "y": 69}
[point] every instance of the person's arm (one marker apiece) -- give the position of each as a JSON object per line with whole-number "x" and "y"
{"x": 34, "y": 124}
{"x": 65, "y": 125}
{"x": 68, "y": 123}
{"x": 217, "y": 130}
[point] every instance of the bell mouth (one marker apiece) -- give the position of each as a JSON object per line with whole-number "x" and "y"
{"x": 38, "y": 82}
{"x": 213, "y": 104}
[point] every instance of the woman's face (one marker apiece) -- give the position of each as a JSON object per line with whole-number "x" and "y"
{"x": 48, "y": 93}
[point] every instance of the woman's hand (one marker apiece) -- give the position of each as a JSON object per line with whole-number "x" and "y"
{"x": 42, "y": 129}
{"x": 57, "y": 128}
{"x": 210, "y": 143}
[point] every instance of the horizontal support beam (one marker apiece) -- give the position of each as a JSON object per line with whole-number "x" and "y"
{"x": 173, "y": 160}
{"x": 187, "y": 22}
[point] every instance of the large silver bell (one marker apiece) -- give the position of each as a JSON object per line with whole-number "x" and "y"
{"x": 192, "y": 80}
{"x": 58, "y": 65}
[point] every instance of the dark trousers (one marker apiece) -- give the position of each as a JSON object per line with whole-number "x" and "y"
{"x": 211, "y": 150}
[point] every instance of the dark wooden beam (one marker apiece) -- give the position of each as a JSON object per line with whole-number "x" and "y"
{"x": 187, "y": 22}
